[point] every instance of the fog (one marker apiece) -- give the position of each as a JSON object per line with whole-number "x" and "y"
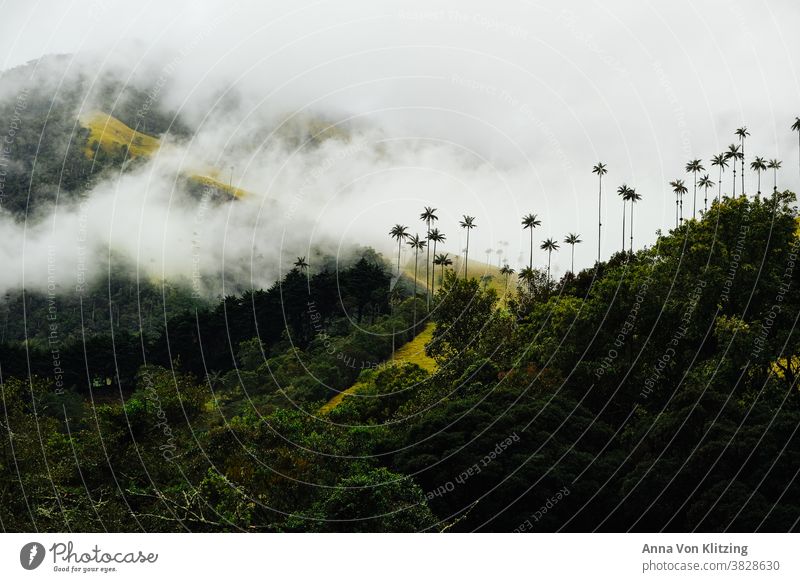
{"x": 488, "y": 110}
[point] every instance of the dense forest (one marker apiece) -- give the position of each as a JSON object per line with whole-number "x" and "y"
{"x": 654, "y": 391}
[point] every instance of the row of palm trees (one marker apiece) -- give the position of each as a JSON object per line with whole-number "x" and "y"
{"x": 735, "y": 155}
{"x": 401, "y": 234}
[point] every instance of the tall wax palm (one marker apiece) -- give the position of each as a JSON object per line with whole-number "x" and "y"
{"x": 530, "y": 221}
{"x": 774, "y": 165}
{"x": 399, "y": 233}
{"x": 734, "y": 154}
{"x": 301, "y": 263}
{"x": 623, "y": 192}
{"x": 469, "y": 223}
{"x": 506, "y": 271}
{"x": 634, "y": 197}
{"x": 427, "y": 217}
{"x": 796, "y": 127}
{"x": 721, "y": 161}
{"x": 417, "y": 244}
{"x": 499, "y": 253}
{"x": 705, "y": 183}
{"x": 695, "y": 166}
{"x": 742, "y": 133}
{"x": 759, "y": 165}
{"x": 600, "y": 170}
{"x": 680, "y": 190}
{"x": 573, "y": 239}
{"x": 549, "y": 245}
{"x": 442, "y": 260}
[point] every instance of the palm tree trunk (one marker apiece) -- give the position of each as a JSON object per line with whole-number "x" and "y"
{"x": 399, "y": 242}
{"x": 705, "y": 200}
{"x": 719, "y": 185}
{"x": 733, "y": 193}
{"x": 549, "y": 253}
{"x": 623, "y": 225}
{"x": 694, "y": 198}
{"x": 774, "y": 180}
{"x": 433, "y": 273}
{"x": 466, "y": 258}
{"x": 530, "y": 261}
{"x": 743, "y": 192}
{"x": 632, "y": 205}
{"x": 427, "y": 264}
{"x": 677, "y": 196}
{"x": 416, "y": 255}
{"x": 572, "y": 263}
{"x": 759, "y": 182}
{"x": 599, "y": 216}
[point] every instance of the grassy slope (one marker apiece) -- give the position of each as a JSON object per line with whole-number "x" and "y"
{"x": 112, "y": 134}
{"x": 411, "y": 353}
{"x": 217, "y": 185}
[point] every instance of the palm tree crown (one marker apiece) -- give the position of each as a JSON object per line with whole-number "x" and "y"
{"x": 467, "y": 222}
{"x": 573, "y": 239}
{"x": 679, "y": 189}
{"x": 530, "y": 221}
{"x": 759, "y": 165}
{"x": 399, "y": 233}
{"x": 734, "y": 154}
{"x": 721, "y": 161}
{"x": 549, "y": 245}
{"x": 301, "y": 263}
{"x": 705, "y": 183}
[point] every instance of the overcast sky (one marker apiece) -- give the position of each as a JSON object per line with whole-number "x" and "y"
{"x": 527, "y": 96}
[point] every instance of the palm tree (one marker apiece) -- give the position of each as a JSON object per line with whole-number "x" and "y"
{"x": 437, "y": 237}
{"x": 742, "y": 133}
{"x": 301, "y": 264}
{"x": 759, "y": 165}
{"x": 399, "y": 233}
{"x": 549, "y": 245}
{"x": 442, "y": 260}
{"x": 417, "y": 244}
{"x": 695, "y": 166}
{"x": 705, "y": 183}
{"x": 734, "y": 154}
{"x": 796, "y": 127}
{"x": 506, "y": 271}
{"x": 722, "y": 161}
{"x": 469, "y": 223}
{"x": 427, "y": 217}
{"x": 499, "y": 253}
{"x": 528, "y": 275}
{"x": 774, "y": 165}
{"x": 623, "y": 191}
{"x": 634, "y": 197}
{"x": 573, "y": 239}
{"x": 680, "y": 190}
{"x": 600, "y": 170}
{"x": 530, "y": 221}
